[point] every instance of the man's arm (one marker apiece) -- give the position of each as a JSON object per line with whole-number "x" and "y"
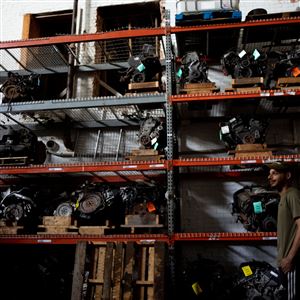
{"x": 286, "y": 263}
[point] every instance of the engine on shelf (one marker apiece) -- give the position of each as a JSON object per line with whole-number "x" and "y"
{"x": 86, "y": 201}
{"x": 193, "y": 68}
{"x": 20, "y": 88}
{"x": 21, "y": 147}
{"x": 142, "y": 67}
{"x": 17, "y": 205}
{"x": 271, "y": 65}
{"x": 287, "y": 64}
{"x": 256, "y": 208}
{"x": 244, "y": 65}
{"x": 152, "y": 133}
{"x": 141, "y": 199}
{"x": 242, "y": 130}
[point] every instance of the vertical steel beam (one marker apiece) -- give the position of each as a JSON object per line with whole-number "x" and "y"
{"x": 71, "y": 71}
{"x": 170, "y": 145}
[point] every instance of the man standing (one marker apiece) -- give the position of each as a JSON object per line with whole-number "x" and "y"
{"x": 288, "y": 226}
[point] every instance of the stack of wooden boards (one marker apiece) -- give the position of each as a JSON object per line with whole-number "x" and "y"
{"x": 127, "y": 271}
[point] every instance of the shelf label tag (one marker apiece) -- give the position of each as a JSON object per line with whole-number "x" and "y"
{"x": 44, "y": 241}
{"x": 197, "y": 289}
{"x": 247, "y": 271}
{"x": 130, "y": 167}
{"x": 55, "y": 169}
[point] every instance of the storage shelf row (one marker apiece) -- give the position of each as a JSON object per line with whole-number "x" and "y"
{"x": 146, "y": 165}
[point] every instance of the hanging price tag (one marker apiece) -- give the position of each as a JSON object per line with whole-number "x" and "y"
{"x": 151, "y": 207}
{"x": 247, "y": 271}
{"x": 257, "y": 206}
{"x": 197, "y": 289}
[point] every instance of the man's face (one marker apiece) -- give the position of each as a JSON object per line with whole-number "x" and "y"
{"x": 278, "y": 179}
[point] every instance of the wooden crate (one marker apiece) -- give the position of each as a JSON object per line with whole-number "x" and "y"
{"x": 127, "y": 271}
{"x": 57, "y": 225}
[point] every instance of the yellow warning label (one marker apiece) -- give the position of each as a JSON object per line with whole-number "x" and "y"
{"x": 247, "y": 271}
{"x": 197, "y": 289}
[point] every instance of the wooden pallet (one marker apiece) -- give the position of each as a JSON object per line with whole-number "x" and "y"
{"x": 285, "y": 83}
{"x": 199, "y": 88}
{"x": 127, "y": 271}
{"x": 8, "y": 161}
{"x": 144, "y": 87}
{"x": 7, "y": 227}
{"x": 141, "y": 221}
{"x": 144, "y": 155}
{"x": 57, "y": 225}
{"x": 247, "y": 150}
{"x": 252, "y": 84}
{"x": 102, "y": 230}
{"x": 207, "y": 16}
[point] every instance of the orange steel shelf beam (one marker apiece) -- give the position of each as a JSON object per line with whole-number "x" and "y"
{"x": 270, "y": 22}
{"x": 56, "y": 239}
{"x": 87, "y": 167}
{"x": 145, "y": 165}
{"x": 226, "y": 236}
{"x": 64, "y": 239}
{"x": 89, "y": 37}
{"x": 233, "y": 95}
{"x": 221, "y": 161}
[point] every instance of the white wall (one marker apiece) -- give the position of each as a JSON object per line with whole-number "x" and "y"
{"x": 272, "y": 6}
{"x": 13, "y": 11}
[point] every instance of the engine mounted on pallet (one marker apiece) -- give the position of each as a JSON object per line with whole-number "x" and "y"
{"x": 152, "y": 133}
{"x": 242, "y": 130}
{"x": 142, "y": 67}
{"x": 287, "y": 64}
{"x": 21, "y": 147}
{"x": 256, "y": 208}
{"x": 193, "y": 68}
{"x": 258, "y": 280}
{"x": 141, "y": 199}
{"x": 20, "y": 88}
{"x": 244, "y": 65}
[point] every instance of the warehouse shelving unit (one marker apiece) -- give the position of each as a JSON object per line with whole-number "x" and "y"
{"x": 171, "y": 164}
